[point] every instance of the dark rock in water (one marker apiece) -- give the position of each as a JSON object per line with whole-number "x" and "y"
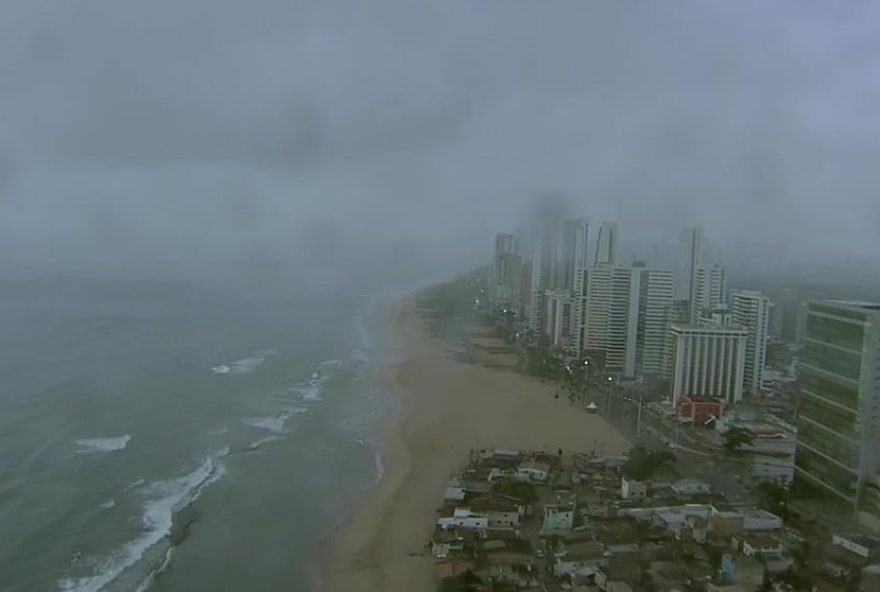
{"x": 183, "y": 521}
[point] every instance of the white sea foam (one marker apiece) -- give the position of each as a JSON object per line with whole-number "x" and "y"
{"x": 166, "y": 498}
{"x": 97, "y": 445}
{"x": 359, "y": 356}
{"x": 308, "y": 392}
{"x": 133, "y": 484}
{"x": 274, "y": 424}
{"x": 108, "y": 504}
{"x": 244, "y": 365}
{"x": 377, "y": 462}
{"x": 256, "y": 444}
{"x": 333, "y": 364}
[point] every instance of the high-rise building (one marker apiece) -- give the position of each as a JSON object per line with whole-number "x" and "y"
{"x": 708, "y": 361}
{"x": 708, "y": 293}
{"x": 509, "y": 280}
{"x": 573, "y": 253}
{"x": 839, "y": 416}
{"x": 690, "y": 255}
{"x": 544, "y": 248}
{"x": 610, "y": 316}
{"x": 657, "y": 287}
{"x": 606, "y": 245}
{"x": 751, "y": 309}
{"x": 505, "y": 244}
{"x": 559, "y": 318}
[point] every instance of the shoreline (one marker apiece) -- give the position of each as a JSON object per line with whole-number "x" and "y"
{"x": 444, "y": 409}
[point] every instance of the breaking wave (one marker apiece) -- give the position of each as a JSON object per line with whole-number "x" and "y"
{"x": 97, "y": 445}
{"x": 167, "y": 516}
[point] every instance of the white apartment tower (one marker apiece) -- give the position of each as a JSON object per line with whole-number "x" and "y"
{"x": 751, "y": 310}
{"x": 708, "y": 293}
{"x": 573, "y": 252}
{"x": 505, "y": 244}
{"x": 708, "y": 361}
{"x": 657, "y": 289}
{"x": 690, "y": 255}
{"x": 606, "y": 245}
{"x": 610, "y": 315}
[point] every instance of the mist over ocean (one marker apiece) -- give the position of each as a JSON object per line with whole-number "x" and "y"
{"x": 181, "y": 435}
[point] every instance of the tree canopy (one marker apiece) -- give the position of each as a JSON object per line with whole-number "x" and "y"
{"x": 643, "y": 464}
{"x": 736, "y": 437}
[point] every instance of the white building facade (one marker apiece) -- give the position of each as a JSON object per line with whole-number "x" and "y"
{"x": 708, "y": 361}
{"x": 751, "y": 309}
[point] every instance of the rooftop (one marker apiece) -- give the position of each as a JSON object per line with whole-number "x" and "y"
{"x": 856, "y": 304}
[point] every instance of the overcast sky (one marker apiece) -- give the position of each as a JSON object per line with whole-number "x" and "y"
{"x": 206, "y": 129}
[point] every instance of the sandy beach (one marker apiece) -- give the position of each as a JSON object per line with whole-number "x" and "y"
{"x": 447, "y": 407}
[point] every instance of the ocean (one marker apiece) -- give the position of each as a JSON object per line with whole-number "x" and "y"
{"x": 181, "y": 434}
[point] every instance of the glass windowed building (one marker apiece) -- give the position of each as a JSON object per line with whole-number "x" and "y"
{"x": 838, "y": 418}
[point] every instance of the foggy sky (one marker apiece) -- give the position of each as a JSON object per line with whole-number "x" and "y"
{"x": 200, "y": 130}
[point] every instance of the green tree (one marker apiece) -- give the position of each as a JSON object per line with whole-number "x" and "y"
{"x": 643, "y": 464}
{"x": 518, "y": 489}
{"x": 736, "y": 437}
{"x": 773, "y": 498}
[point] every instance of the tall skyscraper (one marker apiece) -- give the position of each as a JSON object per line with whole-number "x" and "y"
{"x": 751, "y": 309}
{"x": 544, "y": 250}
{"x": 505, "y": 244}
{"x": 838, "y": 422}
{"x": 690, "y": 255}
{"x": 708, "y": 361}
{"x": 610, "y": 316}
{"x": 606, "y": 245}
{"x": 573, "y": 252}
{"x": 657, "y": 287}
{"x": 559, "y": 319}
{"x": 509, "y": 280}
{"x": 708, "y": 292}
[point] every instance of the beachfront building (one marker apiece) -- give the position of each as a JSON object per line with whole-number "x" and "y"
{"x": 839, "y": 417}
{"x": 690, "y": 255}
{"x": 560, "y": 320}
{"x": 463, "y": 518}
{"x": 532, "y": 470}
{"x": 656, "y": 292}
{"x": 709, "y": 293}
{"x": 606, "y": 245}
{"x": 610, "y": 316}
{"x": 573, "y": 252}
{"x": 708, "y": 361}
{"x": 751, "y": 309}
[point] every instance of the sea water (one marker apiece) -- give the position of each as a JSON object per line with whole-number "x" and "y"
{"x": 180, "y": 436}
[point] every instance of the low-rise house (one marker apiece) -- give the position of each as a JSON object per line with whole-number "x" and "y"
{"x": 463, "y": 518}
{"x": 756, "y": 519}
{"x": 761, "y": 545}
{"x": 572, "y": 558}
{"x": 499, "y": 514}
{"x": 447, "y": 543}
{"x": 630, "y": 489}
{"x": 454, "y": 493}
{"x": 452, "y": 567}
{"x": 558, "y": 518}
{"x": 863, "y": 546}
{"x": 699, "y": 410}
{"x": 687, "y": 487}
{"x": 532, "y": 470}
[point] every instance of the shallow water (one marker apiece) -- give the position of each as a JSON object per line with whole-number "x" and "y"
{"x": 168, "y": 436}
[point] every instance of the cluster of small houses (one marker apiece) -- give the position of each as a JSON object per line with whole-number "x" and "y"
{"x": 583, "y": 527}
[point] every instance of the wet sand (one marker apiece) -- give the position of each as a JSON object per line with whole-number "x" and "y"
{"x": 448, "y": 405}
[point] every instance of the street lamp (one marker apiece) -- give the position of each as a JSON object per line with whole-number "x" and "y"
{"x": 608, "y": 402}
{"x": 586, "y": 378}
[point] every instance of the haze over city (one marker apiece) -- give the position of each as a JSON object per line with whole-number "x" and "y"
{"x": 439, "y": 295}
{"x": 195, "y": 131}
